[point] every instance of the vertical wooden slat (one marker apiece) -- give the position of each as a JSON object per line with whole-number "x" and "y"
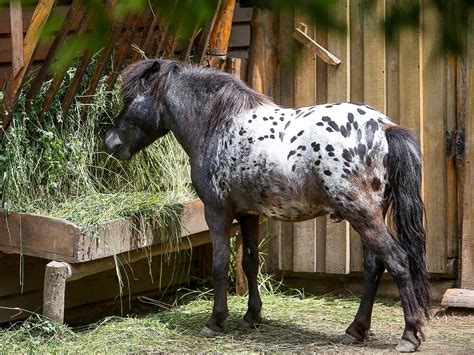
{"x": 433, "y": 139}
{"x": 287, "y": 99}
{"x": 357, "y": 50}
{"x": 409, "y": 79}
{"x": 39, "y": 18}
{"x": 337, "y": 234}
{"x": 16, "y": 25}
{"x": 451, "y": 178}
{"x": 467, "y": 241}
{"x": 374, "y": 60}
{"x": 321, "y": 98}
{"x": 304, "y": 242}
{"x": 392, "y": 85}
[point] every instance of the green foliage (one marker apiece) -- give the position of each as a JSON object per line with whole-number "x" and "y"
{"x": 56, "y": 165}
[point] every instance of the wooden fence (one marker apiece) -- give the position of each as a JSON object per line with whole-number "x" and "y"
{"x": 406, "y": 79}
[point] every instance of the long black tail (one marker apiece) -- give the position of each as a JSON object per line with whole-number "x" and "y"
{"x": 404, "y": 170}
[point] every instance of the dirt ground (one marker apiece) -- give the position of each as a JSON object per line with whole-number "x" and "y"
{"x": 293, "y": 323}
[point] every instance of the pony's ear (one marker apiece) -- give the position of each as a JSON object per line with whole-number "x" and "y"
{"x": 153, "y": 68}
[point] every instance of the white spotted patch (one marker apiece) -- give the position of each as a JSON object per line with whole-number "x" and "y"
{"x": 294, "y": 164}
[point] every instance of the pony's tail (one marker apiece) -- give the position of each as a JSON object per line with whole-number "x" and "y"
{"x": 404, "y": 177}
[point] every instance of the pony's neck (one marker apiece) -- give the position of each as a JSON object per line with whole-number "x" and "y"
{"x": 187, "y": 116}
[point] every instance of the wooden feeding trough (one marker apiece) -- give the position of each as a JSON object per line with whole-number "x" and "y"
{"x": 76, "y": 255}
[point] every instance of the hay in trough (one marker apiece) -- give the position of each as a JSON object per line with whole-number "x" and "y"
{"x": 56, "y": 165}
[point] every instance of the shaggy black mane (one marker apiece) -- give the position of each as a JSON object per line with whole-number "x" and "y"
{"x": 231, "y": 97}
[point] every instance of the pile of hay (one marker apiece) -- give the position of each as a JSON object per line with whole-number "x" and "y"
{"x": 56, "y": 165}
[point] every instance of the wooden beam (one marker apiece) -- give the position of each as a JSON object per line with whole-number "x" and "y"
{"x": 316, "y": 48}
{"x": 457, "y": 297}
{"x": 41, "y": 14}
{"x": 16, "y": 22}
{"x": 241, "y": 285}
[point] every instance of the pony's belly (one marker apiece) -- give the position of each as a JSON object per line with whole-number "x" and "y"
{"x": 292, "y": 210}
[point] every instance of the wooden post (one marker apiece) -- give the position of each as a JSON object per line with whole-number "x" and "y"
{"x": 16, "y": 24}
{"x": 263, "y": 55}
{"x": 55, "y": 277}
{"x": 220, "y": 35}
{"x": 241, "y": 286}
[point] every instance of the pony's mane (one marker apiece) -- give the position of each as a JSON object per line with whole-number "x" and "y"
{"x": 232, "y": 96}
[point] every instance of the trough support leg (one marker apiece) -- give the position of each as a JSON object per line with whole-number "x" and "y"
{"x": 55, "y": 277}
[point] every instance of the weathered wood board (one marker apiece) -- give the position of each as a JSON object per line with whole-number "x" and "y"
{"x": 61, "y": 240}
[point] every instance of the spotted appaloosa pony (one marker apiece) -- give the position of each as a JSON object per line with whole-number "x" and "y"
{"x": 250, "y": 157}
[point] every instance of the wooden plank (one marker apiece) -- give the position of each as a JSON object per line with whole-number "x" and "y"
{"x": 356, "y": 37}
{"x": 338, "y": 234}
{"x": 41, "y": 14}
{"x": 118, "y": 236}
{"x": 73, "y": 16}
{"x": 304, "y": 240}
{"x": 285, "y": 246}
{"x": 392, "y": 84}
{"x": 459, "y": 298}
{"x": 304, "y": 246}
{"x": 409, "y": 79}
{"x": 374, "y": 60}
{"x": 467, "y": 241}
{"x": 36, "y": 235}
{"x": 16, "y": 18}
{"x": 240, "y": 34}
{"x": 451, "y": 174}
{"x": 242, "y": 14}
{"x": 433, "y": 140}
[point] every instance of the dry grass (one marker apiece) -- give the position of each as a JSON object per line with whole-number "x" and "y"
{"x": 293, "y": 324}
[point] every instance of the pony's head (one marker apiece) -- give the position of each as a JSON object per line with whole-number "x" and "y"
{"x": 140, "y": 122}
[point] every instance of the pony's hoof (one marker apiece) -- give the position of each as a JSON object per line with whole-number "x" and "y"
{"x": 208, "y": 332}
{"x": 244, "y": 325}
{"x": 405, "y": 346}
{"x": 349, "y": 340}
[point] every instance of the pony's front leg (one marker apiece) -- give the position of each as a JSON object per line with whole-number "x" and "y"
{"x": 219, "y": 222}
{"x": 249, "y": 225}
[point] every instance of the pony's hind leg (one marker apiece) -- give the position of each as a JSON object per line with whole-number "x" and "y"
{"x": 219, "y": 222}
{"x": 249, "y": 225}
{"x": 378, "y": 239}
{"x": 358, "y": 330}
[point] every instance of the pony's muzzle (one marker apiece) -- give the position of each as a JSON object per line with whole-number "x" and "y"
{"x": 113, "y": 143}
